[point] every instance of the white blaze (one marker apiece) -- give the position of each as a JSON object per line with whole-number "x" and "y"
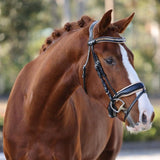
{"x": 144, "y": 104}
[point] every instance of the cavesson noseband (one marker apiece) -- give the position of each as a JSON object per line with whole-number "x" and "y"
{"x": 127, "y": 91}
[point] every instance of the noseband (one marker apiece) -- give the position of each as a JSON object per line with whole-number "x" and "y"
{"x": 127, "y": 91}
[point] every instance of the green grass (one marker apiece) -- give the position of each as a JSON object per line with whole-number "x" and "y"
{"x": 1, "y": 121}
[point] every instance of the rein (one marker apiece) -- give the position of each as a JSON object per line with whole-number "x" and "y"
{"x": 127, "y": 91}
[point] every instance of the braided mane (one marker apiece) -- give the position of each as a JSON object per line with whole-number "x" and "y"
{"x": 56, "y": 34}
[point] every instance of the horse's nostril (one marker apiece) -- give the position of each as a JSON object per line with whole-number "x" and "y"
{"x": 144, "y": 118}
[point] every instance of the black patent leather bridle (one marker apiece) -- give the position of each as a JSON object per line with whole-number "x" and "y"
{"x": 127, "y": 91}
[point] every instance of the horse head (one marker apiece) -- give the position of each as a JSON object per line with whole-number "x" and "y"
{"x": 109, "y": 75}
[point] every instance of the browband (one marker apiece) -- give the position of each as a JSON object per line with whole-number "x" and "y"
{"x": 107, "y": 39}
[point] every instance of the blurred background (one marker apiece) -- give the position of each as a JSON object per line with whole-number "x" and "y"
{"x": 25, "y": 24}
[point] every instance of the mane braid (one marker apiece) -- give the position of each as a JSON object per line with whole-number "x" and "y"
{"x": 56, "y": 34}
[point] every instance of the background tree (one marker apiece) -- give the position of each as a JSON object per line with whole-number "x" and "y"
{"x": 20, "y": 22}
{"x": 24, "y": 25}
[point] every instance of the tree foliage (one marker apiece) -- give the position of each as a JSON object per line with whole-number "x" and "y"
{"x": 24, "y": 25}
{"x": 21, "y": 21}
{"x": 143, "y": 38}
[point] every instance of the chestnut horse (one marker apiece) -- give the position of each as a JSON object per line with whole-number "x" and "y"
{"x": 62, "y": 104}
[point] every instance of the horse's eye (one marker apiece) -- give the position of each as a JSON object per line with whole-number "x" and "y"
{"x": 110, "y": 61}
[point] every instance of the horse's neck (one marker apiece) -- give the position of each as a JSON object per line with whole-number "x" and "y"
{"x": 56, "y": 79}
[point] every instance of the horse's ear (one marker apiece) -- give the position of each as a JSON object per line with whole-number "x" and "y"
{"x": 104, "y": 22}
{"x": 122, "y": 24}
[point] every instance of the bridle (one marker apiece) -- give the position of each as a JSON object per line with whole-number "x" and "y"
{"x": 127, "y": 91}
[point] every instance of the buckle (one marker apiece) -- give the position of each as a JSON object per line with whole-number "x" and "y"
{"x": 121, "y": 108}
{"x": 91, "y": 42}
